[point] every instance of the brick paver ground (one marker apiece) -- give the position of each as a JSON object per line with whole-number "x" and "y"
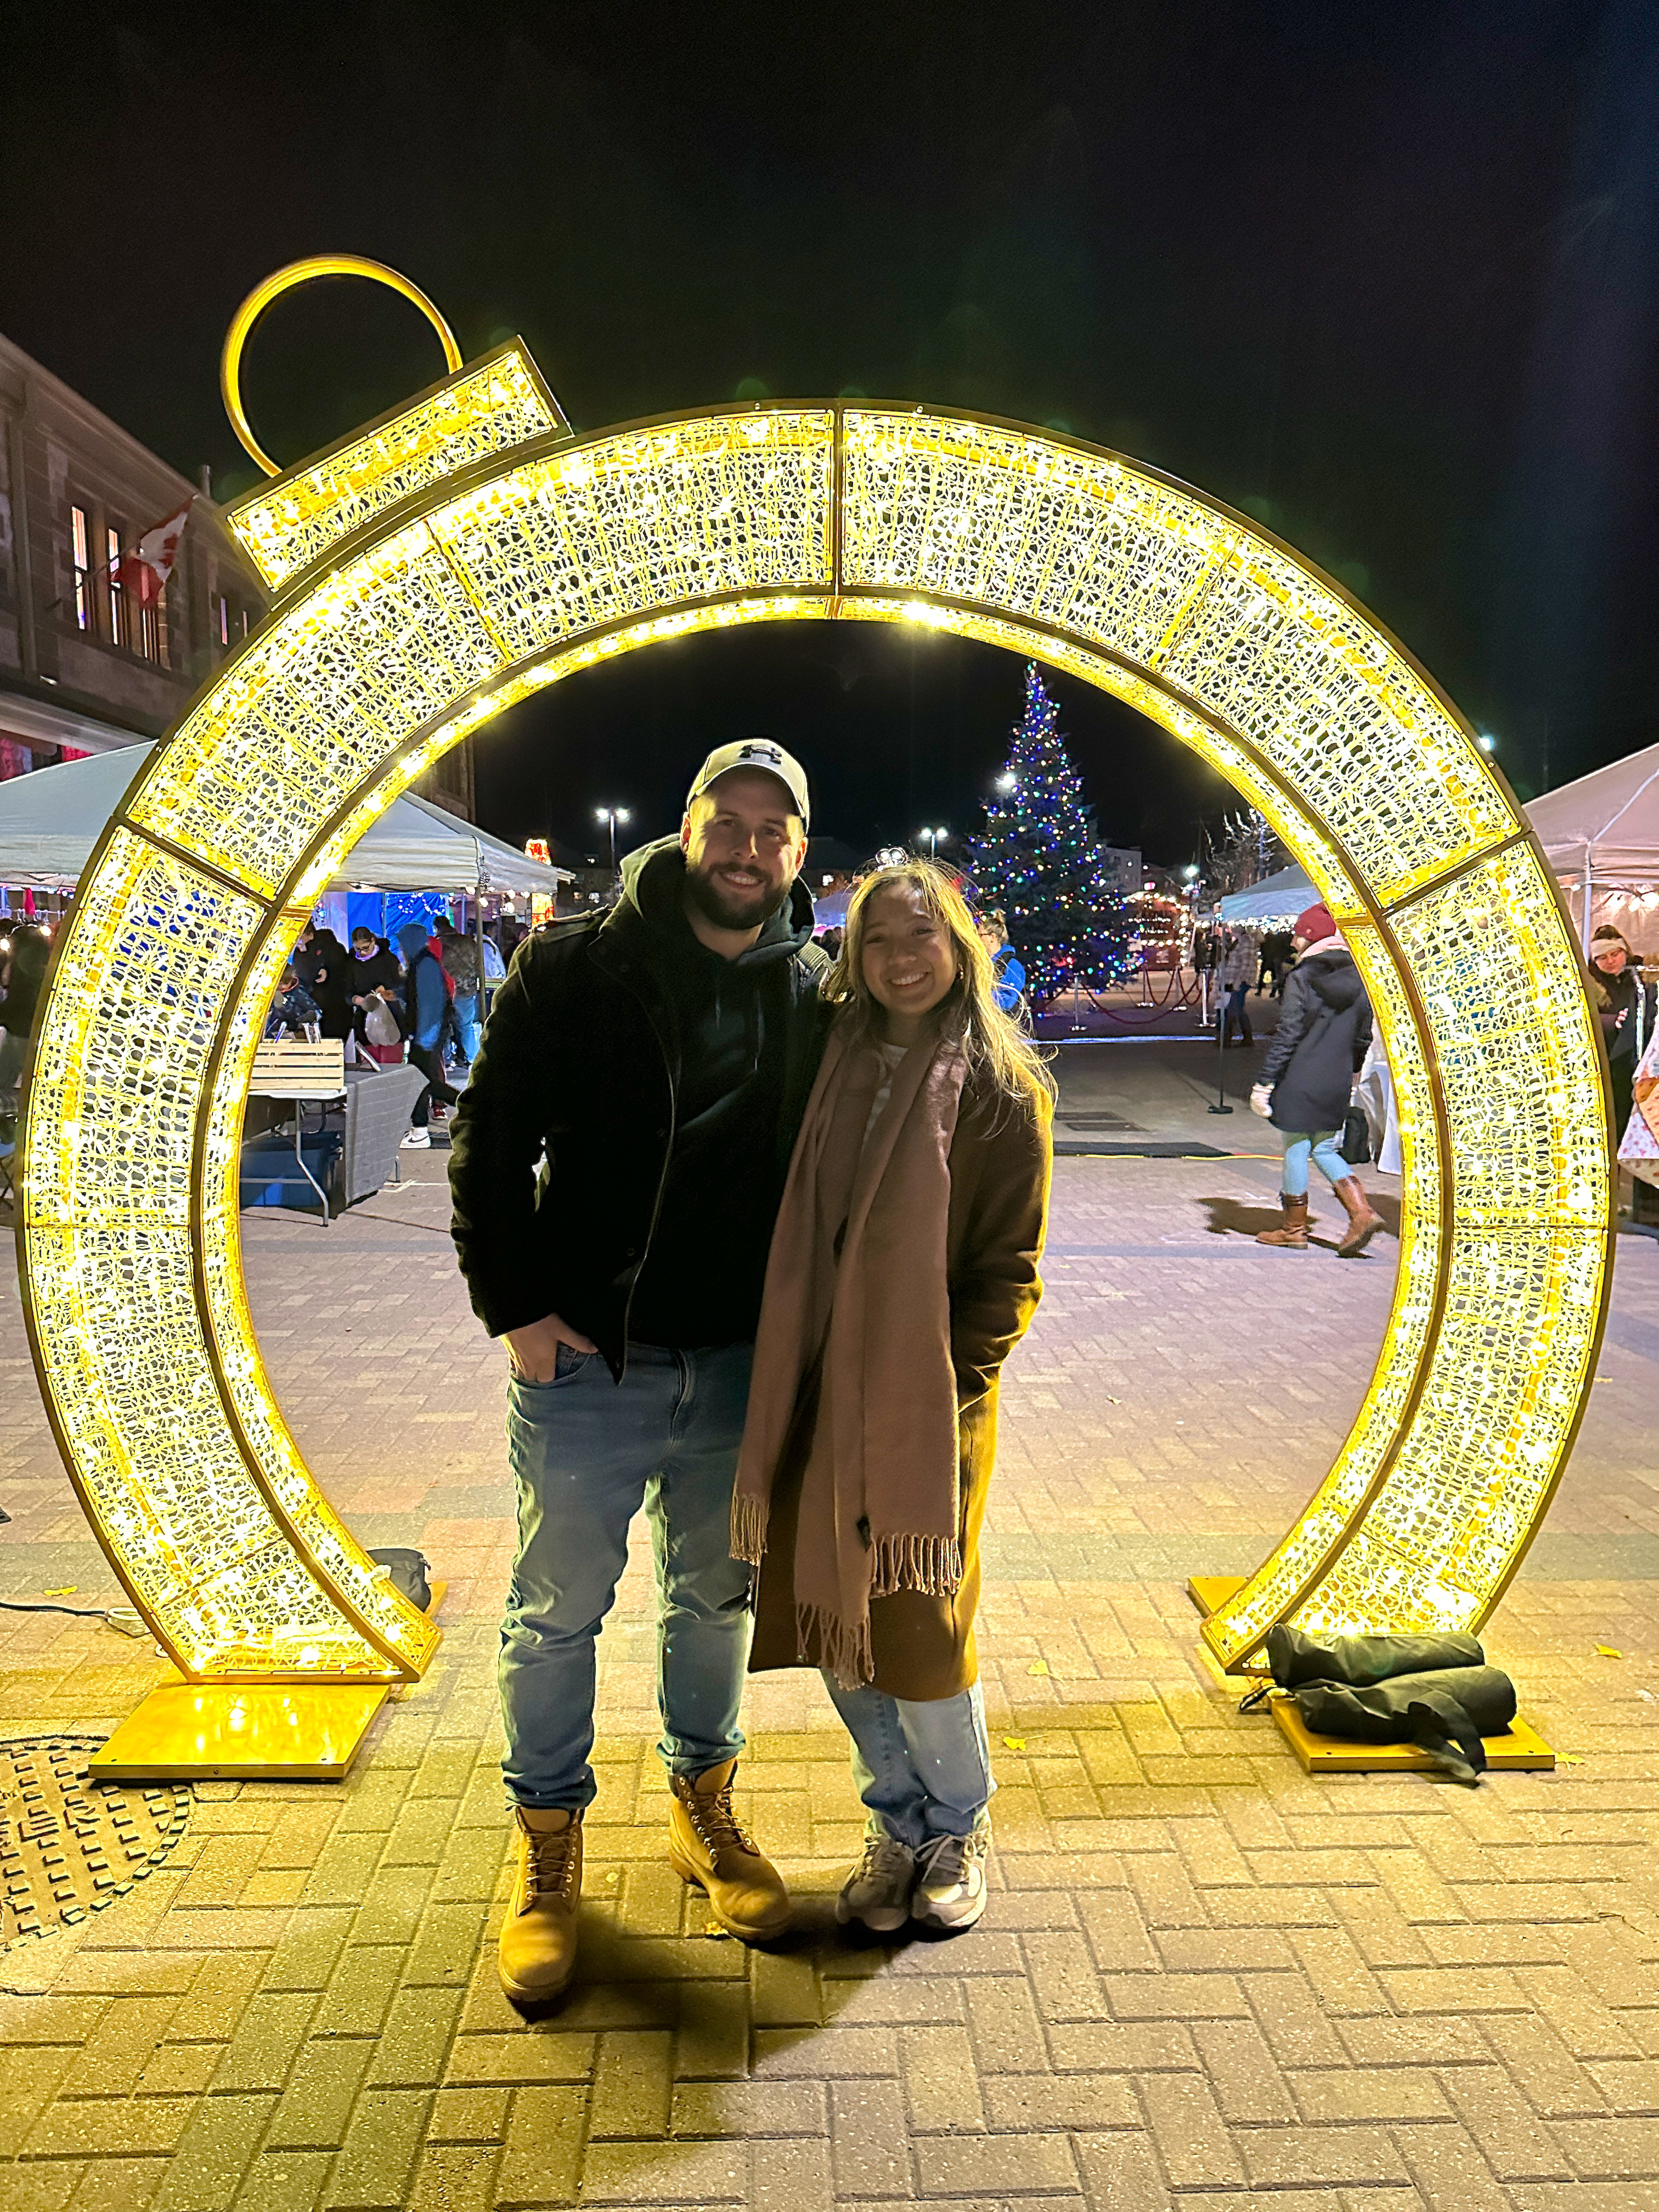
{"x": 1204, "y": 1980}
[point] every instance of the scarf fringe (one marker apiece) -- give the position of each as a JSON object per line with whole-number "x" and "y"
{"x": 749, "y": 1518}
{"x": 843, "y": 1646}
{"x": 931, "y": 1564}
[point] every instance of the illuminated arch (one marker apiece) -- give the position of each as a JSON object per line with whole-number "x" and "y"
{"x": 467, "y": 551}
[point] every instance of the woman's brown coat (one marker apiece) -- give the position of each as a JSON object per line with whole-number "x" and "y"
{"x": 923, "y": 1647}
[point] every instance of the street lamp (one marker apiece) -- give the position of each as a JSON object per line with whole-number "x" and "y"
{"x": 933, "y": 838}
{"x": 613, "y": 815}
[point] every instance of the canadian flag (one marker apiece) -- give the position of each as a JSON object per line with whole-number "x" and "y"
{"x": 144, "y": 571}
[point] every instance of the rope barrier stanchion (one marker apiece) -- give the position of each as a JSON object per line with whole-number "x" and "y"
{"x": 1220, "y": 1105}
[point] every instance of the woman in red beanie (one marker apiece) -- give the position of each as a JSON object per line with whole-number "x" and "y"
{"x": 1307, "y": 1080}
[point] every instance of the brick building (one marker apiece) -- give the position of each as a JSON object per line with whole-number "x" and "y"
{"x": 83, "y": 668}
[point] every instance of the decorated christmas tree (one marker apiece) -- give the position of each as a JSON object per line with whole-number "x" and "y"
{"x": 1039, "y": 858}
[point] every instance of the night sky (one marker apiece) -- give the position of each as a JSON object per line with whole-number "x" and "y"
{"x": 1383, "y": 277}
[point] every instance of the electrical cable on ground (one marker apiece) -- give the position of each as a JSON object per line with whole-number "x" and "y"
{"x": 121, "y": 1617}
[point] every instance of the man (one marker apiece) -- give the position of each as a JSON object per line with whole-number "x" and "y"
{"x": 661, "y": 1055}
{"x": 426, "y": 1010}
{"x": 459, "y": 957}
{"x": 1009, "y": 988}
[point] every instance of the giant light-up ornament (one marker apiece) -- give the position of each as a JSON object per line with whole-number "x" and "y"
{"x": 468, "y": 550}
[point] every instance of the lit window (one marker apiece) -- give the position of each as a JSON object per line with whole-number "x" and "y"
{"x": 80, "y": 557}
{"x": 117, "y": 598}
{"x": 222, "y": 606}
{"x": 149, "y": 630}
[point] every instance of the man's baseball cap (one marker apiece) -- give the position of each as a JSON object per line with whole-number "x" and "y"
{"x": 762, "y": 753}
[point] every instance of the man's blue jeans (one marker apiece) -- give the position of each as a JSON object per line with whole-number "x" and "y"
{"x": 467, "y": 1024}
{"x": 923, "y": 1768}
{"x": 585, "y": 1454}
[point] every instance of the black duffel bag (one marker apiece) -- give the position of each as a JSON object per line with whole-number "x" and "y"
{"x": 1444, "y": 1714}
{"x": 1295, "y": 1656}
{"x": 1436, "y": 1692}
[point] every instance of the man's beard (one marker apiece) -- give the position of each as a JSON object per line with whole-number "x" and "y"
{"x": 726, "y": 907}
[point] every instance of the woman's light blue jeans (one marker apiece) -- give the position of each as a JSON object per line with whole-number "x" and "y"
{"x": 1319, "y": 1146}
{"x": 922, "y": 1769}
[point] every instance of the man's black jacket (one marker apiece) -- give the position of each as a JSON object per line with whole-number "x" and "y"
{"x": 581, "y": 1058}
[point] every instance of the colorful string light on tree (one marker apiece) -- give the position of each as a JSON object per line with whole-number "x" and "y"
{"x": 1040, "y": 860}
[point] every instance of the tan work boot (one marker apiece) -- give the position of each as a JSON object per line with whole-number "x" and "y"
{"x": 537, "y": 1952}
{"x": 708, "y": 1848}
{"x": 1362, "y": 1222}
{"x": 1292, "y": 1230}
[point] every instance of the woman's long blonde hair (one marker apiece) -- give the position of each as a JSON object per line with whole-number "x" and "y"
{"x": 996, "y": 1046}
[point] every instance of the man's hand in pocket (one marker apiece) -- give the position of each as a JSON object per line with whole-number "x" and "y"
{"x": 533, "y": 1350}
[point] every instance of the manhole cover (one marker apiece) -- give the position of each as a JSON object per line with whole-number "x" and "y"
{"x": 68, "y": 1847}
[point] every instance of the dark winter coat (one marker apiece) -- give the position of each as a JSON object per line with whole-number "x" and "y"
{"x": 26, "y": 972}
{"x": 581, "y": 1055}
{"x": 426, "y": 995}
{"x": 1323, "y": 1034}
{"x": 923, "y": 1647}
{"x": 325, "y": 968}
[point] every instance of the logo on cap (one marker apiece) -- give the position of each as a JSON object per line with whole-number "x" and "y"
{"x": 772, "y": 754}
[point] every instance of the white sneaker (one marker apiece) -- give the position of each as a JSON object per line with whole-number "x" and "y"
{"x": 949, "y": 1889}
{"x": 877, "y": 1891}
{"x": 419, "y": 1141}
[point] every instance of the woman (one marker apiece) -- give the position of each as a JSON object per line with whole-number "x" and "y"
{"x": 1307, "y": 1080}
{"x": 904, "y": 1270}
{"x": 1623, "y": 1004}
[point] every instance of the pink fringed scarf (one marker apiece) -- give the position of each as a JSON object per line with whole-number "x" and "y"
{"x": 857, "y": 1313}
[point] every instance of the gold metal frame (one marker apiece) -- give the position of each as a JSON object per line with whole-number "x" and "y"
{"x": 285, "y": 280}
{"x": 439, "y": 566}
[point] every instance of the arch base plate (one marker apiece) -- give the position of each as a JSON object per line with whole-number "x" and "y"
{"x": 1521, "y": 1750}
{"x": 194, "y": 1731}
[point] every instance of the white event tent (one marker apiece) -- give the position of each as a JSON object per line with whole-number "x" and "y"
{"x": 50, "y": 821}
{"x": 1600, "y": 834}
{"x": 1274, "y": 902}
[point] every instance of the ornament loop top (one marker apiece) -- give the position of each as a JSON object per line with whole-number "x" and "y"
{"x": 285, "y": 280}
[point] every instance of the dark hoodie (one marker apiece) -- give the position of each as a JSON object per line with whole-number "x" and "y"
{"x": 702, "y": 1283}
{"x": 1323, "y": 1034}
{"x": 666, "y": 1087}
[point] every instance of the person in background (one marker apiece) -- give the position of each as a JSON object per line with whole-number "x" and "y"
{"x": 22, "y": 971}
{"x": 293, "y": 1011}
{"x": 328, "y": 981}
{"x": 1238, "y": 965}
{"x": 375, "y": 972}
{"x": 656, "y": 1058}
{"x": 1008, "y": 972}
{"x": 903, "y": 1271}
{"x": 426, "y": 1009}
{"x": 829, "y": 943}
{"x": 459, "y": 956}
{"x": 1277, "y": 953}
{"x": 1625, "y": 1008}
{"x": 304, "y": 961}
{"x": 1307, "y": 1081}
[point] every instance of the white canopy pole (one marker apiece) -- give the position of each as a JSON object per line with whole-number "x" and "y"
{"x": 1588, "y": 874}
